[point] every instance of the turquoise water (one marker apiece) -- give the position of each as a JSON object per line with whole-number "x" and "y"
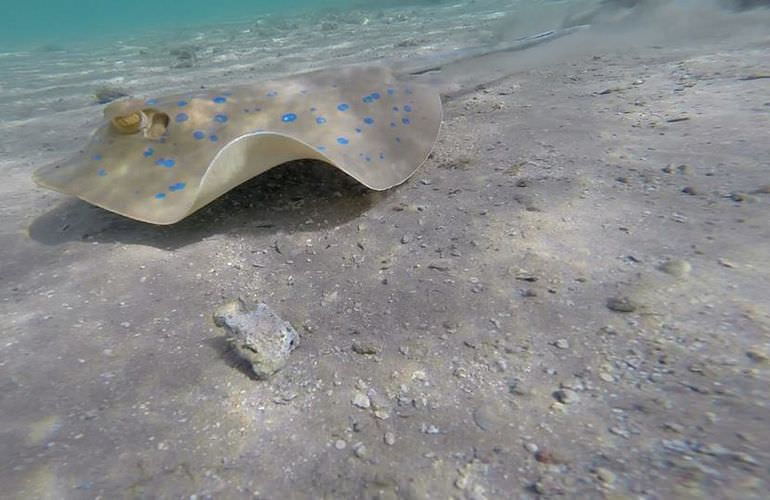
{"x": 60, "y": 21}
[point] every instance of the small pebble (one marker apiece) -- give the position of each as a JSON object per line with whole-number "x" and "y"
{"x": 567, "y": 396}
{"x": 756, "y": 355}
{"x": 676, "y": 267}
{"x": 340, "y": 444}
{"x": 605, "y": 475}
{"x": 562, "y": 344}
{"x": 361, "y": 400}
{"x": 389, "y": 438}
{"x": 621, "y": 304}
{"x": 365, "y": 348}
{"x": 606, "y": 377}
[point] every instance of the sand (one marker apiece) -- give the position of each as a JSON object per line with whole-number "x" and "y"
{"x": 570, "y": 298}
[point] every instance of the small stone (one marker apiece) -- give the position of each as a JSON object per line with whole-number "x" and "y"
{"x": 745, "y": 458}
{"x": 562, "y": 344}
{"x": 740, "y": 197}
{"x": 676, "y": 267}
{"x": 546, "y": 456}
{"x": 726, "y": 263}
{"x": 364, "y": 348}
{"x": 757, "y": 355}
{"x": 340, "y": 444}
{"x": 360, "y": 450}
{"x": 621, "y": 304}
{"x": 259, "y": 335}
{"x": 361, "y": 400}
{"x": 605, "y": 475}
{"x": 566, "y": 396}
{"x": 440, "y": 265}
{"x": 618, "y": 431}
{"x": 406, "y": 239}
{"x": 389, "y": 438}
{"x": 690, "y": 190}
{"x": 531, "y": 447}
{"x": 126, "y": 324}
{"x": 606, "y": 377}
{"x": 108, "y": 94}
{"x": 484, "y": 418}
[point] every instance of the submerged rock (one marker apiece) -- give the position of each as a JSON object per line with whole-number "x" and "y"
{"x": 105, "y": 95}
{"x": 259, "y": 335}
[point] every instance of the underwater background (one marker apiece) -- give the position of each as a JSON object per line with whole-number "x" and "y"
{"x": 37, "y": 21}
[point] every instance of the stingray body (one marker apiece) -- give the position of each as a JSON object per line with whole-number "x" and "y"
{"x": 161, "y": 159}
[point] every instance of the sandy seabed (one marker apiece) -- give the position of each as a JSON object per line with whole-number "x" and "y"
{"x": 570, "y": 298}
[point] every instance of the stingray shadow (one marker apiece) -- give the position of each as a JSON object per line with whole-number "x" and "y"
{"x": 280, "y": 199}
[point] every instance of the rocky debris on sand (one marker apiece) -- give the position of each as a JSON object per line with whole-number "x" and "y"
{"x": 676, "y": 267}
{"x": 108, "y": 94}
{"x": 259, "y": 335}
{"x": 621, "y": 304}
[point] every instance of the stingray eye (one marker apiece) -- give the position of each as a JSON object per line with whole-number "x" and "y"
{"x": 130, "y": 123}
{"x": 150, "y": 121}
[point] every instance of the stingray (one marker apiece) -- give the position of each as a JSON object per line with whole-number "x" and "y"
{"x": 158, "y": 160}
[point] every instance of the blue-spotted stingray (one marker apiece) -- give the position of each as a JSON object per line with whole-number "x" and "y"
{"x": 158, "y": 160}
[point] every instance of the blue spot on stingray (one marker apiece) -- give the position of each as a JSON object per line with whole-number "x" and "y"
{"x": 177, "y": 187}
{"x": 343, "y": 107}
{"x": 395, "y": 108}
{"x": 165, "y": 162}
{"x": 368, "y": 99}
{"x": 406, "y": 121}
{"x": 199, "y": 134}
{"x": 181, "y": 104}
{"x": 97, "y": 158}
{"x": 101, "y": 172}
{"x": 407, "y": 108}
{"x": 343, "y": 140}
{"x": 369, "y": 120}
{"x": 213, "y": 138}
{"x": 376, "y": 96}
{"x": 320, "y": 120}
{"x": 221, "y": 118}
{"x": 358, "y": 131}
{"x": 288, "y": 117}
{"x": 148, "y": 152}
{"x": 182, "y": 117}
{"x": 219, "y": 99}
{"x": 160, "y": 196}
{"x": 151, "y": 102}
{"x": 272, "y": 93}
{"x": 321, "y": 148}
{"x": 391, "y": 91}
